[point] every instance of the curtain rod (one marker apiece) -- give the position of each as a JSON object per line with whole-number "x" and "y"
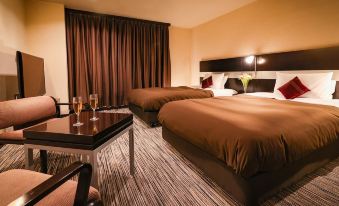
{"x": 114, "y": 16}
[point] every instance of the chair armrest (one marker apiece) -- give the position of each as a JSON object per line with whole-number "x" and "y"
{"x": 63, "y": 104}
{"x": 57, "y": 107}
{"x": 58, "y": 110}
{"x": 48, "y": 186}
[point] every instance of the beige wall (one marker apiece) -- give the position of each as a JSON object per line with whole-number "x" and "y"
{"x": 12, "y": 38}
{"x": 266, "y": 26}
{"x": 37, "y": 28}
{"x": 180, "y": 51}
{"x": 12, "y": 34}
{"x": 46, "y": 38}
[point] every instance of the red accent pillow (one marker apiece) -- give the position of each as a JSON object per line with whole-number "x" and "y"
{"x": 293, "y": 89}
{"x": 207, "y": 82}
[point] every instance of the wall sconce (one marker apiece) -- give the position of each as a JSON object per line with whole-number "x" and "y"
{"x": 249, "y": 59}
{"x": 261, "y": 60}
{"x": 256, "y": 60}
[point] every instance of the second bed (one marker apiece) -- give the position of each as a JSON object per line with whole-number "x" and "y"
{"x": 147, "y": 102}
{"x": 252, "y": 146}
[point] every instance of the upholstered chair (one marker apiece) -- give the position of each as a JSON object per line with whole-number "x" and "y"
{"x": 23, "y": 113}
{"x": 24, "y": 187}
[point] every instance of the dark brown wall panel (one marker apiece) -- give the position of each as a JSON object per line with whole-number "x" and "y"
{"x": 221, "y": 65}
{"x": 313, "y": 59}
{"x": 255, "y": 85}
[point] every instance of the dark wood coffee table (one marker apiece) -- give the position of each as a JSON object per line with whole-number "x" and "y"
{"x": 88, "y": 140}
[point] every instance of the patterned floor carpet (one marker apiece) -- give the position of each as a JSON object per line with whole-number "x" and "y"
{"x": 164, "y": 177}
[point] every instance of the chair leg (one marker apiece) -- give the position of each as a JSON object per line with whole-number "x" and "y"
{"x": 93, "y": 159}
{"x": 43, "y": 161}
{"x": 28, "y": 157}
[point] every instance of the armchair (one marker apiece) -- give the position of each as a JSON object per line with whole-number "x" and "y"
{"x": 23, "y": 113}
{"x": 23, "y": 187}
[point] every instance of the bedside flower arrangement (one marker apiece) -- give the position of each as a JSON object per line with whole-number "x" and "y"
{"x": 245, "y": 79}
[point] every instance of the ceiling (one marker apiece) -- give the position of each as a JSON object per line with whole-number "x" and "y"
{"x": 180, "y": 13}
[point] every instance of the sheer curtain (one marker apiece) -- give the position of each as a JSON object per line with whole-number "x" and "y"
{"x": 110, "y": 55}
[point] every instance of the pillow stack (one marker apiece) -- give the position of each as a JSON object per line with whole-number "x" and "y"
{"x": 214, "y": 81}
{"x": 315, "y": 85}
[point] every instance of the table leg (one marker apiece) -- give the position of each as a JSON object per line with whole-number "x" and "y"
{"x": 93, "y": 159}
{"x": 28, "y": 157}
{"x": 43, "y": 161}
{"x": 131, "y": 151}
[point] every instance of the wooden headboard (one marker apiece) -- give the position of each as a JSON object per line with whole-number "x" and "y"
{"x": 313, "y": 59}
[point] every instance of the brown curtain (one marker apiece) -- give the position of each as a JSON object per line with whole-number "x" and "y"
{"x": 110, "y": 55}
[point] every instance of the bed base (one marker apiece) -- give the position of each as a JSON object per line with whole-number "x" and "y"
{"x": 150, "y": 118}
{"x": 250, "y": 191}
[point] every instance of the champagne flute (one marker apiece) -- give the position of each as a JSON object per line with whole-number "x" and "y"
{"x": 93, "y": 98}
{"x": 77, "y": 106}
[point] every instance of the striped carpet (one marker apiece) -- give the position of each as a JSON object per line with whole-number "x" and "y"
{"x": 164, "y": 177}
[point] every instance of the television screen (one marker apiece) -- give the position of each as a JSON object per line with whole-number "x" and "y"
{"x": 31, "y": 75}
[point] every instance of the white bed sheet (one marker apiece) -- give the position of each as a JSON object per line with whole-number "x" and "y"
{"x": 262, "y": 94}
{"x": 330, "y": 102}
{"x": 222, "y": 92}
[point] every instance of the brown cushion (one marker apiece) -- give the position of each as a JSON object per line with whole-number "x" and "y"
{"x": 20, "y": 111}
{"x": 17, "y": 134}
{"x": 12, "y": 135}
{"x": 15, "y": 183}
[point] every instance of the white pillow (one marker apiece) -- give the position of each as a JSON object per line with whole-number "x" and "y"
{"x": 218, "y": 79}
{"x": 206, "y": 76}
{"x": 262, "y": 94}
{"x": 318, "y": 83}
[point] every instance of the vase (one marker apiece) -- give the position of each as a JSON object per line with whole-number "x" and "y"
{"x": 245, "y": 84}
{"x": 245, "y": 89}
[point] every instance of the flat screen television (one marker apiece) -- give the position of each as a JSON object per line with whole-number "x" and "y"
{"x": 31, "y": 75}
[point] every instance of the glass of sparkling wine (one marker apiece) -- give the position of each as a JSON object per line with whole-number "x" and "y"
{"x": 77, "y": 106}
{"x": 93, "y": 98}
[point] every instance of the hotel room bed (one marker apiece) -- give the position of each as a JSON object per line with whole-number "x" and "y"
{"x": 146, "y": 103}
{"x": 252, "y": 146}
